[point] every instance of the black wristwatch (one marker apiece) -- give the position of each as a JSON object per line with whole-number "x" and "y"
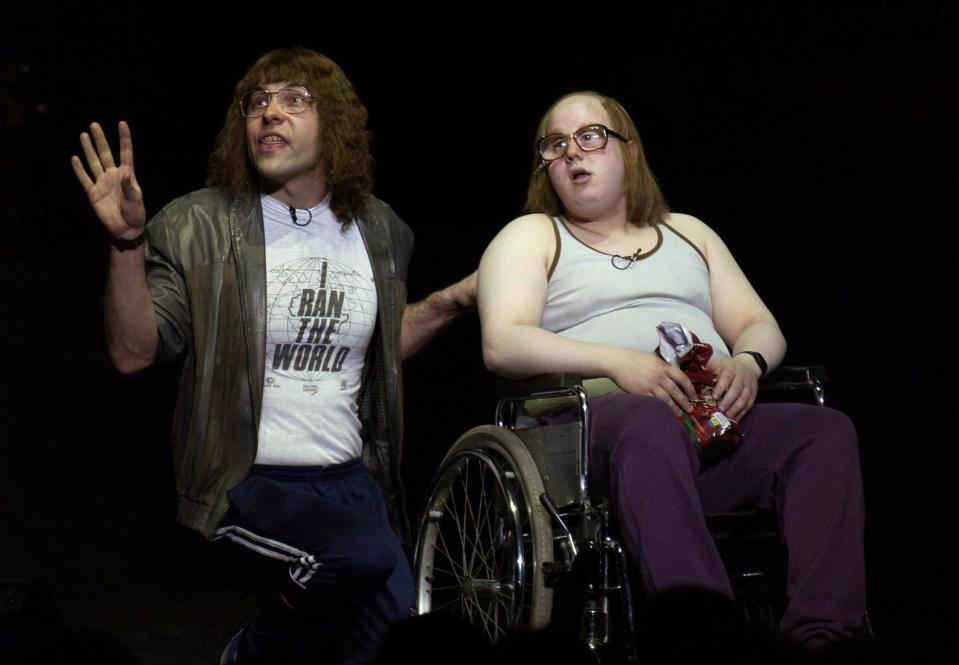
{"x": 758, "y": 357}
{"x": 125, "y": 244}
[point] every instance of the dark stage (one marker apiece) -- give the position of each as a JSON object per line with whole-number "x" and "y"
{"x": 821, "y": 146}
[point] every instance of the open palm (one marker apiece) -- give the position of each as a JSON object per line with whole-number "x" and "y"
{"x": 113, "y": 190}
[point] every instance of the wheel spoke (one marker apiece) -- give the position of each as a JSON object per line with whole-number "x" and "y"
{"x": 468, "y": 509}
{"x": 447, "y": 554}
{"x": 488, "y": 619}
{"x": 491, "y": 539}
{"x": 446, "y": 587}
{"x": 487, "y": 512}
{"x": 448, "y": 572}
{"x": 467, "y": 611}
{"x": 461, "y": 521}
{"x": 471, "y": 599}
{"x": 453, "y": 507}
{"x": 440, "y": 608}
{"x": 492, "y": 558}
{"x": 482, "y": 510}
{"x": 477, "y": 538}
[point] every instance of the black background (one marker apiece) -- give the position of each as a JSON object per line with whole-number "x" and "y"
{"x": 821, "y": 144}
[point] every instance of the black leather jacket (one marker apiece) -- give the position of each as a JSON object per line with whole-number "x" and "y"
{"x": 206, "y": 272}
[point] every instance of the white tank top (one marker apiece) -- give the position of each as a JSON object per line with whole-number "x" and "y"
{"x": 590, "y": 300}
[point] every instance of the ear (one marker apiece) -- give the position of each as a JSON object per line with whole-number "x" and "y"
{"x": 634, "y": 150}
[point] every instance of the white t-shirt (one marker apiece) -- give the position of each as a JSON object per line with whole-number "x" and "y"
{"x": 320, "y": 313}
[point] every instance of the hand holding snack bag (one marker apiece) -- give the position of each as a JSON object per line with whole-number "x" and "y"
{"x": 713, "y": 434}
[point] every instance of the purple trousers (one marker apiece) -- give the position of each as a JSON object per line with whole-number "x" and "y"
{"x": 801, "y": 460}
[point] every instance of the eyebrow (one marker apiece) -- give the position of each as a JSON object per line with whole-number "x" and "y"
{"x": 588, "y": 124}
{"x": 262, "y": 86}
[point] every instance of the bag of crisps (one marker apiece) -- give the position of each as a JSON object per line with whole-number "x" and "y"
{"x": 713, "y": 434}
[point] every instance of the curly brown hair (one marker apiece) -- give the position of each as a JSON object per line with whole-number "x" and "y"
{"x": 645, "y": 204}
{"x": 345, "y": 138}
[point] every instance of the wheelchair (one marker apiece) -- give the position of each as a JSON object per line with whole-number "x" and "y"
{"x": 512, "y": 539}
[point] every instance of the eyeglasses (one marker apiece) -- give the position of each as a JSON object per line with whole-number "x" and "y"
{"x": 254, "y": 103}
{"x": 588, "y": 138}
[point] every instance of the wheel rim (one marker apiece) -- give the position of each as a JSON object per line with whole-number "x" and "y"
{"x": 473, "y": 552}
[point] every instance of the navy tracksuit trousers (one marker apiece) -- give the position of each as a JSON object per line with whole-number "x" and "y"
{"x": 321, "y": 538}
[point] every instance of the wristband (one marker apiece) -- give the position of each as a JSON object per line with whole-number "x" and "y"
{"x": 758, "y": 357}
{"x": 124, "y": 244}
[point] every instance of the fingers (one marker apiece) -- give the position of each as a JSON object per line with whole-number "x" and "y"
{"x": 464, "y": 291}
{"x": 728, "y": 387}
{"x": 126, "y": 145}
{"x": 93, "y": 161}
{"x": 81, "y": 174}
{"x": 742, "y": 404}
{"x": 738, "y": 398}
{"x": 663, "y": 394}
{"x": 683, "y": 383}
{"x": 103, "y": 148}
{"x": 131, "y": 190}
{"x": 732, "y": 387}
{"x": 99, "y": 158}
{"x": 723, "y": 381}
{"x": 679, "y": 396}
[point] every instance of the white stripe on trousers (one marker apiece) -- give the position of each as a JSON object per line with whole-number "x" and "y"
{"x": 306, "y": 563}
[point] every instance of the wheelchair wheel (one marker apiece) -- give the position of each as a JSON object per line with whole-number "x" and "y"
{"x": 484, "y": 536}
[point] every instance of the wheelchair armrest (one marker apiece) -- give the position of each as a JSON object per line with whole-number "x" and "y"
{"x": 530, "y": 387}
{"x": 793, "y": 377}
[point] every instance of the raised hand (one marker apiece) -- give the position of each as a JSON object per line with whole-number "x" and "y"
{"x": 113, "y": 191}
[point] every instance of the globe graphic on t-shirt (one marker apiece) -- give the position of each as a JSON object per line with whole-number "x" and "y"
{"x": 308, "y": 296}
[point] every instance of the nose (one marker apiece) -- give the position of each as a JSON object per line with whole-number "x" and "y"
{"x": 273, "y": 111}
{"x": 573, "y": 151}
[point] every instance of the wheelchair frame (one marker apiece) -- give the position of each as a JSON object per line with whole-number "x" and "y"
{"x": 545, "y": 531}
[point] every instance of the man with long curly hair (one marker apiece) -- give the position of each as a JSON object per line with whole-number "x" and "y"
{"x": 283, "y": 287}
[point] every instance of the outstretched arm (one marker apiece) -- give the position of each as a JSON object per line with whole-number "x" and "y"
{"x": 512, "y": 295}
{"x": 117, "y": 200}
{"x": 423, "y": 320}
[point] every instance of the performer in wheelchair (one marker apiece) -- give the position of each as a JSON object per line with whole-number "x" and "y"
{"x": 580, "y": 284}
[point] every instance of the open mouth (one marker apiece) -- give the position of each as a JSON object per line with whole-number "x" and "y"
{"x": 270, "y": 143}
{"x": 579, "y": 175}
